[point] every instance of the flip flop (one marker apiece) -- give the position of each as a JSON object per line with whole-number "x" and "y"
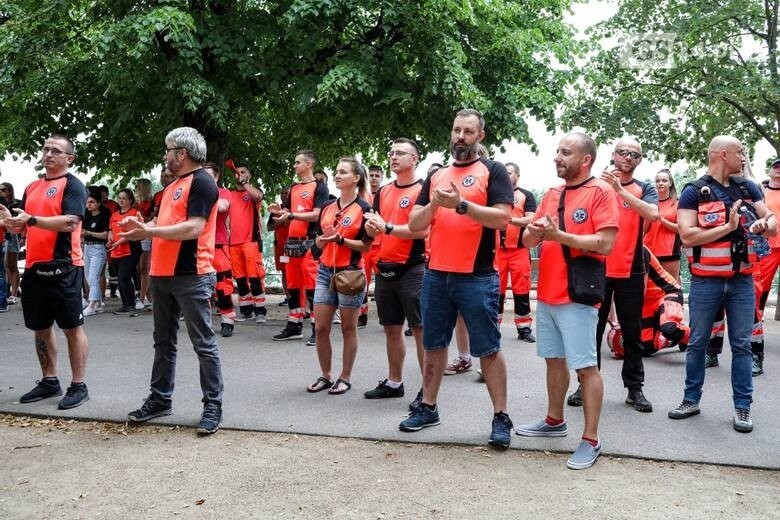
{"x": 319, "y": 385}
{"x": 335, "y": 391}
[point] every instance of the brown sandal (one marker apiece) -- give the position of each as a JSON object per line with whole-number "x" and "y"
{"x": 322, "y": 383}
{"x": 335, "y": 390}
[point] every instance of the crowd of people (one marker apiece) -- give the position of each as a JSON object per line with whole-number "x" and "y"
{"x": 441, "y": 251}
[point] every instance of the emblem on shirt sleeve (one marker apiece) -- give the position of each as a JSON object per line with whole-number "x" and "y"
{"x": 626, "y": 204}
{"x": 245, "y": 198}
{"x": 711, "y": 218}
{"x": 177, "y": 194}
{"x": 517, "y": 198}
{"x": 51, "y": 192}
{"x": 404, "y": 202}
{"x": 468, "y": 181}
{"x": 579, "y": 215}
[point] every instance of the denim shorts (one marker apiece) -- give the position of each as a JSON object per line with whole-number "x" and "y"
{"x": 567, "y": 331}
{"x": 11, "y": 243}
{"x": 146, "y": 244}
{"x": 322, "y": 296}
{"x": 474, "y": 296}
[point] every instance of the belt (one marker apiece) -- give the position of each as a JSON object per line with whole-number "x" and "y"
{"x": 95, "y": 242}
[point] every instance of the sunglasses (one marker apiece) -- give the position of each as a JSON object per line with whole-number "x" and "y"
{"x": 629, "y": 153}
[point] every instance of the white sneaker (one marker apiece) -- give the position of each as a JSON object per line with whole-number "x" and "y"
{"x": 261, "y": 318}
{"x": 84, "y": 304}
{"x": 147, "y": 304}
{"x": 139, "y": 305}
{"x": 89, "y": 311}
{"x": 337, "y": 317}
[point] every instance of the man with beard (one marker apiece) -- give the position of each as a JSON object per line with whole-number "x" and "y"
{"x": 582, "y": 217}
{"x": 464, "y": 204}
{"x": 625, "y": 268}
{"x": 182, "y": 277}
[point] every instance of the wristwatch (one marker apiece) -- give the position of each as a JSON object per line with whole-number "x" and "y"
{"x": 32, "y": 221}
{"x": 388, "y": 228}
{"x": 462, "y": 207}
{"x": 290, "y": 216}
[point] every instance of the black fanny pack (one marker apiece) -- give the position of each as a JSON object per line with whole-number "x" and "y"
{"x": 297, "y": 247}
{"x": 52, "y": 270}
{"x": 391, "y": 270}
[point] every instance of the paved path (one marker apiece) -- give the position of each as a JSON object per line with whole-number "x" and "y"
{"x": 265, "y": 391}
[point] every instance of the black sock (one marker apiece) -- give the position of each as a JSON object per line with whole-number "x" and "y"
{"x": 429, "y": 406}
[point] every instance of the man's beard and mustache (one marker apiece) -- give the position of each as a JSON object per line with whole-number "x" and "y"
{"x": 463, "y": 152}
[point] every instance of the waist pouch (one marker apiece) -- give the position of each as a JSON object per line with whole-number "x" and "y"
{"x": 391, "y": 270}
{"x": 587, "y": 280}
{"x": 55, "y": 270}
{"x": 296, "y": 247}
{"x": 350, "y": 281}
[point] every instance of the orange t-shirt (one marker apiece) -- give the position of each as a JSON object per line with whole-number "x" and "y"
{"x": 626, "y": 257}
{"x": 350, "y": 224}
{"x": 394, "y": 203}
{"x": 303, "y": 198}
{"x": 243, "y": 218}
{"x": 589, "y": 207}
{"x": 525, "y": 202}
{"x": 122, "y": 249}
{"x": 661, "y": 241}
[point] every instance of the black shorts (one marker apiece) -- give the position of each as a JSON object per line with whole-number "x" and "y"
{"x": 49, "y": 296}
{"x": 399, "y": 300}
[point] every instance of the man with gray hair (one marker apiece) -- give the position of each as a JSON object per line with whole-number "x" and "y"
{"x": 182, "y": 277}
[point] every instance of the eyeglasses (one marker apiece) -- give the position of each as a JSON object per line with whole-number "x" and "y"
{"x": 629, "y": 153}
{"x": 174, "y": 148}
{"x": 397, "y": 153}
{"x": 54, "y": 151}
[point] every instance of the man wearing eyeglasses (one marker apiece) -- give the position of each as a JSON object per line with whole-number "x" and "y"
{"x": 400, "y": 263}
{"x": 51, "y": 211}
{"x": 625, "y": 267}
{"x": 464, "y": 204}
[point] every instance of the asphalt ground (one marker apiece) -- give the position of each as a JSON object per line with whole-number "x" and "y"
{"x": 265, "y": 390}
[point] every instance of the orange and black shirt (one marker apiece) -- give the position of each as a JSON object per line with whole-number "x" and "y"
{"x": 588, "y": 208}
{"x": 394, "y": 203}
{"x": 192, "y": 195}
{"x": 458, "y": 243}
{"x": 626, "y": 256}
{"x": 512, "y": 236}
{"x": 156, "y": 202}
{"x": 244, "y": 225}
{"x": 350, "y": 224}
{"x": 65, "y": 195}
{"x": 221, "y": 234}
{"x": 663, "y": 242}
{"x": 125, "y": 248}
{"x": 303, "y": 198}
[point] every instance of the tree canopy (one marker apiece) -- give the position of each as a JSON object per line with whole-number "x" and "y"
{"x": 683, "y": 72}
{"x": 261, "y": 79}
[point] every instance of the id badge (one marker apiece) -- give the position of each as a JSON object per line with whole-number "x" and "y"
{"x": 284, "y": 259}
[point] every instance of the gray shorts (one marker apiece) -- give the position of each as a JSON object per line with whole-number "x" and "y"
{"x": 399, "y": 300}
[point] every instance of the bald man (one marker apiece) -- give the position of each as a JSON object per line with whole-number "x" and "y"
{"x": 638, "y": 203}
{"x": 714, "y": 214}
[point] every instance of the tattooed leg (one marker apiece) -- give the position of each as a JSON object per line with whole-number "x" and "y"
{"x": 46, "y": 348}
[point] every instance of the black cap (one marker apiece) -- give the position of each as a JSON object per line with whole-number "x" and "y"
{"x": 775, "y": 161}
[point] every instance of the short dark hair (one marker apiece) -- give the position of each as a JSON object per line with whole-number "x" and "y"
{"x": 321, "y": 172}
{"x": 410, "y": 142}
{"x": 213, "y": 166}
{"x": 63, "y": 137}
{"x": 309, "y": 154}
{"x": 375, "y": 168}
{"x": 103, "y": 189}
{"x": 513, "y": 165}
{"x": 468, "y": 112}
{"x": 586, "y": 144}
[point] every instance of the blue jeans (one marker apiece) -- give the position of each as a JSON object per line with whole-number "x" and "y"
{"x": 474, "y": 296}
{"x": 3, "y": 287}
{"x": 737, "y": 294}
{"x": 188, "y": 295}
{"x": 94, "y": 263}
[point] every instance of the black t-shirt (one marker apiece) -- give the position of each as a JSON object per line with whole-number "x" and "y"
{"x": 96, "y": 224}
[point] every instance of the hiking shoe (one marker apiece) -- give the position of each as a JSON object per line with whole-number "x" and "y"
{"x": 421, "y": 417}
{"x": 408, "y": 333}
{"x": 45, "y": 388}
{"x": 149, "y": 410}
{"x": 362, "y": 321}
{"x": 584, "y": 456}
{"x": 416, "y": 402}
{"x": 123, "y": 310}
{"x": 75, "y": 395}
{"x": 312, "y": 341}
{"x": 261, "y": 318}
{"x": 742, "y": 421}
{"x": 575, "y": 399}
{"x": 710, "y": 360}
{"x": 209, "y": 421}
{"x": 501, "y": 433}
{"x": 638, "y": 400}
{"x": 524, "y": 334}
{"x": 383, "y": 391}
{"x": 542, "y": 429}
{"x": 458, "y": 366}
{"x": 226, "y": 330}
{"x": 288, "y": 333}
{"x": 685, "y": 410}
{"x": 758, "y": 366}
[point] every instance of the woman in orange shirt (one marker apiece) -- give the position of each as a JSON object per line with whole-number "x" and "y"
{"x": 122, "y": 253}
{"x": 143, "y": 194}
{"x": 662, "y": 237}
{"x": 342, "y": 239}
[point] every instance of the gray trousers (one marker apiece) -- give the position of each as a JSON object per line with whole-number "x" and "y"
{"x": 188, "y": 295}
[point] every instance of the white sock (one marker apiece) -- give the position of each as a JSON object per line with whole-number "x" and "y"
{"x": 394, "y": 384}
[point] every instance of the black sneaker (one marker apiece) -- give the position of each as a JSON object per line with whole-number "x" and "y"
{"x": 575, "y": 399}
{"x": 417, "y": 400}
{"x": 524, "y": 334}
{"x": 312, "y": 341}
{"x": 149, "y": 410}
{"x": 638, "y": 400}
{"x": 45, "y": 388}
{"x": 289, "y": 333}
{"x": 383, "y": 391}
{"x": 75, "y": 395}
{"x": 284, "y": 303}
{"x": 710, "y": 360}
{"x": 123, "y": 310}
{"x": 501, "y": 434}
{"x": 362, "y": 321}
{"x": 758, "y": 366}
{"x": 209, "y": 421}
{"x": 226, "y": 330}
{"x": 408, "y": 333}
